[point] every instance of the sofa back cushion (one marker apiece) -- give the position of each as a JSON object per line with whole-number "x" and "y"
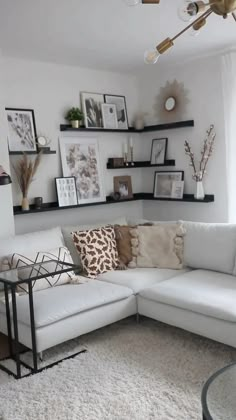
{"x": 44, "y": 240}
{"x": 210, "y": 246}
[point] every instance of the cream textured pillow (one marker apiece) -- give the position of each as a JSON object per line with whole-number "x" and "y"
{"x": 97, "y": 250}
{"x": 60, "y": 254}
{"x": 158, "y": 246}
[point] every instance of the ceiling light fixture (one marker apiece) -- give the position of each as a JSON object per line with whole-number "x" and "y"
{"x": 136, "y": 2}
{"x": 188, "y": 12}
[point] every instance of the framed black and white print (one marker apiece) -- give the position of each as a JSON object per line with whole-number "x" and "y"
{"x": 21, "y": 130}
{"x": 163, "y": 183}
{"x": 109, "y": 116}
{"x": 121, "y": 110}
{"x": 159, "y": 150}
{"x": 92, "y": 109}
{"x": 66, "y": 191}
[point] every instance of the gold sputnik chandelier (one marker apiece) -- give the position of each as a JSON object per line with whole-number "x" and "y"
{"x": 195, "y": 13}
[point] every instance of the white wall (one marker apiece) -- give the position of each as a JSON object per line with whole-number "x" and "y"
{"x": 50, "y": 90}
{"x": 202, "y": 78}
{"x": 6, "y": 215}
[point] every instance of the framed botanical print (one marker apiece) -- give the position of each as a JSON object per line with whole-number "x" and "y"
{"x": 159, "y": 150}
{"x": 80, "y": 159}
{"x": 66, "y": 191}
{"x": 92, "y": 109}
{"x": 21, "y": 130}
{"x": 121, "y": 110}
{"x": 163, "y": 183}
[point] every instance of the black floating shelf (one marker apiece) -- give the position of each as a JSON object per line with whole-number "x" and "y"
{"x": 142, "y": 164}
{"x": 158, "y": 127}
{"x": 45, "y": 152}
{"x": 188, "y": 198}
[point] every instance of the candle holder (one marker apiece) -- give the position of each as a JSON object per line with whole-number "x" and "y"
{"x": 126, "y": 159}
{"x": 132, "y": 155}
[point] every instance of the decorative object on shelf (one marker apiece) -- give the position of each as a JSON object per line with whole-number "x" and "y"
{"x": 206, "y": 152}
{"x": 171, "y": 102}
{"x": 116, "y": 162}
{"x": 126, "y": 154}
{"x": 43, "y": 143}
{"x": 139, "y": 121}
{"x": 163, "y": 182}
{"x": 131, "y": 149}
{"x": 92, "y": 108}
{"x": 74, "y": 116}
{"x": 5, "y": 179}
{"x": 159, "y": 150}
{"x": 109, "y": 116}
{"x": 177, "y": 189}
{"x": 123, "y": 185}
{"x": 115, "y": 196}
{"x": 66, "y": 191}
{"x": 80, "y": 159}
{"x": 25, "y": 170}
{"x": 121, "y": 110}
{"x": 22, "y": 130}
{"x": 187, "y": 12}
{"x": 38, "y": 203}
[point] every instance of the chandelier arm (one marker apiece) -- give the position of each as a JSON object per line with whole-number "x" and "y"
{"x": 234, "y": 16}
{"x": 203, "y": 16}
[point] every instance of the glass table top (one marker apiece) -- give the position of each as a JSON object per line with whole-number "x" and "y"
{"x": 35, "y": 271}
{"x": 219, "y": 395}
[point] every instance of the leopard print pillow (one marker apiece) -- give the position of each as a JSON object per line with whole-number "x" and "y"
{"x": 97, "y": 249}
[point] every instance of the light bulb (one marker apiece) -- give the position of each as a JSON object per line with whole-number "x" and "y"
{"x": 133, "y": 2}
{"x": 187, "y": 11}
{"x": 194, "y": 32}
{"x": 151, "y": 56}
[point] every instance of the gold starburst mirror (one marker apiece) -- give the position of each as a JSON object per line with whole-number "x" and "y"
{"x": 195, "y": 13}
{"x": 171, "y": 102}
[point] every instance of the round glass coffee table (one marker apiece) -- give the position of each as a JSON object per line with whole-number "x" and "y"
{"x": 219, "y": 395}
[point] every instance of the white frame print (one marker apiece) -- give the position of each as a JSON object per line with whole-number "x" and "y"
{"x": 159, "y": 150}
{"x": 163, "y": 182}
{"x": 21, "y": 130}
{"x": 109, "y": 116}
{"x": 91, "y": 105}
{"x": 80, "y": 159}
{"x": 121, "y": 110}
{"x": 66, "y": 191}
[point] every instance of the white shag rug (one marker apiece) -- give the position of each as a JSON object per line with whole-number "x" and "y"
{"x": 130, "y": 372}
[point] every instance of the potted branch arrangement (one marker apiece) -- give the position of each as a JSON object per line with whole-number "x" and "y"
{"x": 200, "y": 170}
{"x": 74, "y": 116}
{"x": 25, "y": 170}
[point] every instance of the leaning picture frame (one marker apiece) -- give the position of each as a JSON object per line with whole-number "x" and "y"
{"x": 92, "y": 109}
{"x": 121, "y": 110}
{"x": 159, "y": 151}
{"x": 80, "y": 159}
{"x": 22, "y": 135}
{"x": 66, "y": 191}
{"x": 163, "y": 183}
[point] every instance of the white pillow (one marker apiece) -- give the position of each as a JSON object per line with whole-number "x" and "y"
{"x": 60, "y": 254}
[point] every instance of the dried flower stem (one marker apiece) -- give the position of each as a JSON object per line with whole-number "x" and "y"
{"x": 25, "y": 170}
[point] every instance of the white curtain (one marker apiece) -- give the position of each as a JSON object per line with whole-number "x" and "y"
{"x": 229, "y": 99}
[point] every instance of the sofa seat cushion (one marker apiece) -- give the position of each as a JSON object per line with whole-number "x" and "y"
{"x": 206, "y": 292}
{"x": 140, "y": 278}
{"x": 57, "y": 303}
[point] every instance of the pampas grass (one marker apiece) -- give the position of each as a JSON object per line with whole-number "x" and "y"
{"x": 25, "y": 170}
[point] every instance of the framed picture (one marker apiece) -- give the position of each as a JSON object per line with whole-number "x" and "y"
{"x": 66, "y": 191}
{"x": 92, "y": 109}
{"x": 120, "y": 103}
{"x": 177, "y": 189}
{"x": 109, "y": 116}
{"x": 159, "y": 150}
{"x": 21, "y": 130}
{"x": 80, "y": 159}
{"x": 163, "y": 182}
{"x": 123, "y": 186}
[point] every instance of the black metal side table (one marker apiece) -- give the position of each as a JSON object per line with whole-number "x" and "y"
{"x": 219, "y": 395}
{"x": 26, "y": 277}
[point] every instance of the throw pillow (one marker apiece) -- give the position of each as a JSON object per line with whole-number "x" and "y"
{"x": 158, "y": 246}
{"x": 61, "y": 254}
{"x": 97, "y": 249}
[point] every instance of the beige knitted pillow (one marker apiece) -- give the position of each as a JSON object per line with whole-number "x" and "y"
{"x": 158, "y": 246}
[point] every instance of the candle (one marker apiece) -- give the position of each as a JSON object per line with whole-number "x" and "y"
{"x": 125, "y": 148}
{"x": 131, "y": 142}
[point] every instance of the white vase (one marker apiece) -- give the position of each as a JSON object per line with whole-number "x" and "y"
{"x": 199, "y": 193}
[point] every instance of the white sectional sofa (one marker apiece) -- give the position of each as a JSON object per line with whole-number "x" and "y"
{"x": 201, "y": 298}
